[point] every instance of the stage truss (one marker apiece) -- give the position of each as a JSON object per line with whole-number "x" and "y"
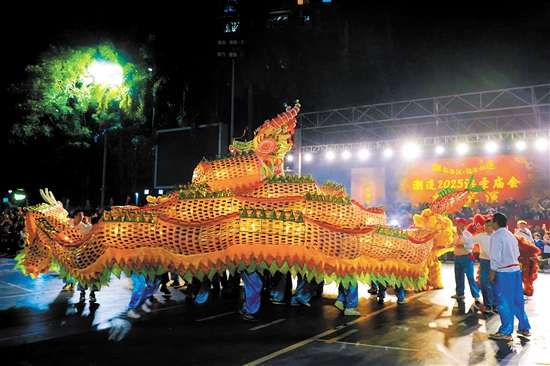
{"x": 504, "y": 114}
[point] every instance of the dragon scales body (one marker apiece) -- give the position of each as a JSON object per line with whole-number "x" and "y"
{"x": 235, "y": 216}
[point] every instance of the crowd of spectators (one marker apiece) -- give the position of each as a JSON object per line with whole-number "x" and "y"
{"x": 12, "y": 235}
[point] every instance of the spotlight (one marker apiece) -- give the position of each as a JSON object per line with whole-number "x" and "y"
{"x": 346, "y": 155}
{"x": 520, "y": 145}
{"x": 330, "y": 155}
{"x": 289, "y": 157}
{"x": 541, "y": 144}
{"x": 363, "y": 154}
{"x": 462, "y": 148}
{"x": 307, "y": 157}
{"x": 411, "y": 151}
{"x": 491, "y": 146}
{"x": 388, "y": 153}
{"x": 439, "y": 150}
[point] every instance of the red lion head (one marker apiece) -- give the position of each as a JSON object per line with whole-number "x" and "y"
{"x": 477, "y": 224}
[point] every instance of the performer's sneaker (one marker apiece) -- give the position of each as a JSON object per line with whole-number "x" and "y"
{"x": 92, "y": 297}
{"x": 304, "y": 303}
{"x": 148, "y": 302}
{"x": 501, "y": 336}
{"x": 458, "y": 297}
{"x": 73, "y": 287}
{"x": 495, "y": 309}
{"x": 373, "y": 290}
{"x": 477, "y": 304}
{"x": 247, "y": 316}
{"x": 67, "y": 287}
{"x": 278, "y": 302}
{"x": 380, "y": 300}
{"x": 402, "y": 302}
{"x": 145, "y": 308}
{"x": 131, "y": 313}
{"x": 339, "y": 305}
{"x": 82, "y": 296}
{"x": 524, "y": 333}
{"x": 352, "y": 312}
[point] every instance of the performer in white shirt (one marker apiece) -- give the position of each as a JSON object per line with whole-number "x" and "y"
{"x": 506, "y": 279}
{"x": 483, "y": 239}
{"x": 80, "y": 223}
{"x": 523, "y": 230}
{"x": 464, "y": 264}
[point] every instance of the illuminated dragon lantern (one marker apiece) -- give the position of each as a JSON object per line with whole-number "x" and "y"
{"x": 239, "y": 213}
{"x": 442, "y": 227}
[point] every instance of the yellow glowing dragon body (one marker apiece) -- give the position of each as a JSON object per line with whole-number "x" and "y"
{"x": 240, "y": 213}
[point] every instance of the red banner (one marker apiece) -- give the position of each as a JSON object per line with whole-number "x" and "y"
{"x": 502, "y": 177}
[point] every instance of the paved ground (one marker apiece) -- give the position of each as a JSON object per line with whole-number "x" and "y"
{"x": 41, "y": 325}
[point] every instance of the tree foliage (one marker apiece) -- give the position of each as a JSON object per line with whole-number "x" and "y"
{"x": 59, "y": 95}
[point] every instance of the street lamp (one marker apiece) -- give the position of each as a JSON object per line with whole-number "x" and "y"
{"x": 232, "y": 52}
{"x": 108, "y": 75}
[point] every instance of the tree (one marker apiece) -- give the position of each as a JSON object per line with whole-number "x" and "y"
{"x": 63, "y": 102}
{"x": 60, "y": 94}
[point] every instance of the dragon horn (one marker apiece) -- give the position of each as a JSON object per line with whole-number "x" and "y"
{"x": 52, "y": 197}
{"x": 43, "y": 195}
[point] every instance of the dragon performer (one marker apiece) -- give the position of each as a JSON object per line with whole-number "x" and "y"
{"x": 436, "y": 219}
{"x": 239, "y": 213}
{"x": 527, "y": 250}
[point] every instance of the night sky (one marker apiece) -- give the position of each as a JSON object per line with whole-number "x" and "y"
{"x": 429, "y": 49}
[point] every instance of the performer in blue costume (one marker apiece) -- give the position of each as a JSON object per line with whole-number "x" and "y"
{"x": 506, "y": 279}
{"x": 347, "y": 300}
{"x": 483, "y": 239}
{"x": 144, "y": 288}
{"x": 252, "y": 284}
{"x": 399, "y": 292}
{"x": 198, "y": 292}
{"x": 305, "y": 290}
{"x": 278, "y": 290}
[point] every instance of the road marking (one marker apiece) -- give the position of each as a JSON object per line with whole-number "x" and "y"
{"x": 268, "y": 324}
{"x": 332, "y": 340}
{"x": 214, "y": 317}
{"x": 376, "y": 346}
{"x": 324, "y": 334}
{"x": 18, "y": 287}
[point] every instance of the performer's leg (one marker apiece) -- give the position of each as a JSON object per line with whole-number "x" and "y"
{"x": 459, "y": 276}
{"x": 504, "y": 290}
{"x": 341, "y": 293}
{"x": 137, "y": 292}
{"x": 151, "y": 287}
{"x": 304, "y": 292}
{"x": 400, "y": 293}
{"x": 252, "y": 287}
{"x": 204, "y": 291}
{"x": 232, "y": 287}
{"x": 486, "y": 286}
{"x": 519, "y": 303}
{"x": 352, "y": 297}
{"x": 469, "y": 272}
{"x": 381, "y": 293}
{"x": 279, "y": 287}
{"x": 320, "y": 288}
